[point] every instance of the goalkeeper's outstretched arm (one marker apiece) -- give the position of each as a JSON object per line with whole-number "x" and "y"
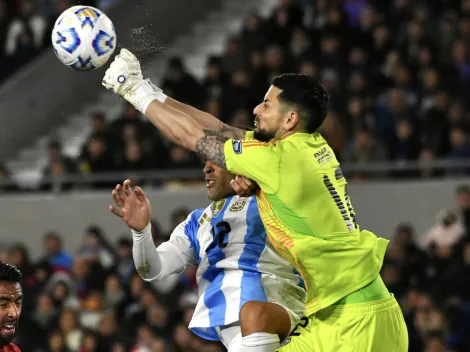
{"x": 206, "y": 120}
{"x": 124, "y": 77}
{"x": 185, "y": 131}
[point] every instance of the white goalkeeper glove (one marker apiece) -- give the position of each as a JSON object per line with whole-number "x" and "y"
{"x": 124, "y": 77}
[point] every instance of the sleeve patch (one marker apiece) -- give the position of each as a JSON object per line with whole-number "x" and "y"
{"x": 237, "y": 146}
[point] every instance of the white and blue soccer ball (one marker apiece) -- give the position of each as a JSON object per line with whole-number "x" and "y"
{"x": 83, "y": 38}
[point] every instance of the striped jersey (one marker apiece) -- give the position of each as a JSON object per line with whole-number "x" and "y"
{"x": 236, "y": 264}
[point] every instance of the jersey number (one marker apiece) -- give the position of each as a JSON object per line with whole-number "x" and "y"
{"x": 219, "y": 232}
{"x": 346, "y": 211}
{"x": 301, "y": 324}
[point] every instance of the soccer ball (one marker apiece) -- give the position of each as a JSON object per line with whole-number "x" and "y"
{"x": 83, "y": 38}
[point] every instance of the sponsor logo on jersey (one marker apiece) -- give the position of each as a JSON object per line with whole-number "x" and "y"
{"x": 323, "y": 156}
{"x": 217, "y": 207}
{"x": 238, "y": 206}
{"x": 237, "y": 147}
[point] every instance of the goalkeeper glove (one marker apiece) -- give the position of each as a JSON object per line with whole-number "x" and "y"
{"x": 124, "y": 78}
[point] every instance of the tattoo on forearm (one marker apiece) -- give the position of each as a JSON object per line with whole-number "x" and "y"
{"x": 211, "y": 147}
{"x": 231, "y": 132}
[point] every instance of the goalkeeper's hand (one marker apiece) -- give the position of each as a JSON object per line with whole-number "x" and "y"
{"x": 124, "y": 77}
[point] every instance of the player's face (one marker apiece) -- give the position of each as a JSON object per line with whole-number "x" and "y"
{"x": 11, "y": 297}
{"x": 268, "y": 118}
{"x": 217, "y": 181}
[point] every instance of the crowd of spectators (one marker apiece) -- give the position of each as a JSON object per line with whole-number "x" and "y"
{"x": 428, "y": 275}
{"x": 93, "y": 300}
{"x": 397, "y": 72}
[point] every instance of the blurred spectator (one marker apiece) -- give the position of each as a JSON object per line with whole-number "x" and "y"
{"x": 26, "y": 33}
{"x": 253, "y": 34}
{"x": 125, "y": 266}
{"x": 181, "y": 85}
{"x": 365, "y": 148}
{"x": 98, "y": 127}
{"x": 19, "y": 257}
{"x": 447, "y": 231}
{"x": 333, "y": 132}
{"x": 68, "y": 324}
{"x": 58, "y": 165}
{"x": 462, "y": 193}
{"x": 55, "y": 256}
{"x": 177, "y": 216}
{"x": 57, "y": 343}
{"x": 182, "y": 158}
{"x": 97, "y": 157}
{"x": 96, "y": 249}
{"x": 241, "y": 119}
{"x": 459, "y": 144}
{"x": 233, "y": 58}
{"x": 134, "y": 158}
{"x": 216, "y": 79}
{"x": 126, "y": 128}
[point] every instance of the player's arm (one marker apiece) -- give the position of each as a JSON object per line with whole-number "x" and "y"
{"x": 171, "y": 257}
{"x": 132, "y": 206}
{"x": 183, "y": 130}
{"x": 205, "y": 119}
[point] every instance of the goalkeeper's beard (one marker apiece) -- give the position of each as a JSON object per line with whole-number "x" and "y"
{"x": 263, "y": 135}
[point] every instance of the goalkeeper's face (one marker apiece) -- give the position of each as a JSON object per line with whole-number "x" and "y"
{"x": 268, "y": 116}
{"x": 217, "y": 182}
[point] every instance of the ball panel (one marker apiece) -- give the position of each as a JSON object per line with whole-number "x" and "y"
{"x": 68, "y": 39}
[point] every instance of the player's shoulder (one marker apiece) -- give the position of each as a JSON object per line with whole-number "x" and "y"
{"x": 302, "y": 141}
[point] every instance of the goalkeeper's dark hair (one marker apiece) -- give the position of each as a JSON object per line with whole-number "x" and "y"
{"x": 305, "y": 94}
{"x": 10, "y": 273}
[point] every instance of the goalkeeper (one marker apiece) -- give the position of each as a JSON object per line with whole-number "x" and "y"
{"x": 303, "y": 203}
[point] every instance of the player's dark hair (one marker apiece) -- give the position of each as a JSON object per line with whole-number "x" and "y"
{"x": 10, "y": 273}
{"x": 307, "y": 94}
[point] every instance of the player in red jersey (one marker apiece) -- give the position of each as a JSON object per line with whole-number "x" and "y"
{"x": 11, "y": 300}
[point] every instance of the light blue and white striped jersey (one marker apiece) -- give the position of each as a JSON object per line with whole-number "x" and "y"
{"x": 236, "y": 264}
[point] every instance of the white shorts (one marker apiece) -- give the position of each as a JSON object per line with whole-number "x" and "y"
{"x": 231, "y": 335}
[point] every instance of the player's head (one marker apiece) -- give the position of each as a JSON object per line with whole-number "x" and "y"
{"x": 217, "y": 181}
{"x": 11, "y": 297}
{"x": 293, "y": 103}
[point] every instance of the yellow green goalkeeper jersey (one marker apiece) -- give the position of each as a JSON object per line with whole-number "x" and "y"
{"x": 308, "y": 215}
